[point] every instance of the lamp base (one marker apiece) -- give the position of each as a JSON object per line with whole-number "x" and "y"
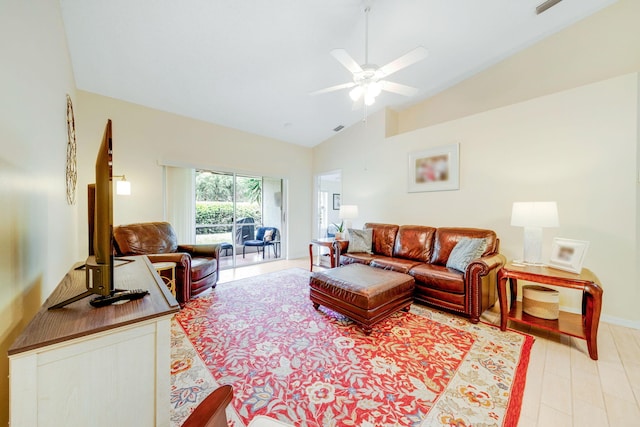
{"x": 532, "y": 245}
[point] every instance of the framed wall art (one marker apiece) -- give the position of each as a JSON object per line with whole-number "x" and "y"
{"x": 336, "y": 201}
{"x": 567, "y": 254}
{"x": 435, "y": 169}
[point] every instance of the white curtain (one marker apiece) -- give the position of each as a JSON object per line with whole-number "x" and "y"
{"x": 180, "y": 202}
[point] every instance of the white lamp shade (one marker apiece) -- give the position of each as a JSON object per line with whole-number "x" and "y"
{"x": 535, "y": 214}
{"x": 348, "y": 211}
{"x": 123, "y": 188}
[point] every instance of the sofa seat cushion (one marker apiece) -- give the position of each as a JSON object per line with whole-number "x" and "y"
{"x": 202, "y": 267}
{"x": 356, "y": 258}
{"x": 439, "y": 277}
{"x": 394, "y": 264}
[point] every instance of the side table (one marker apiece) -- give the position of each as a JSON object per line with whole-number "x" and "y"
{"x": 584, "y": 326}
{"x": 328, "y": 242}
{"x": 171, "y": 280}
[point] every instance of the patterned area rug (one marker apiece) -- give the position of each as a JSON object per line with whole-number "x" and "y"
{"x": 313, "y": 368}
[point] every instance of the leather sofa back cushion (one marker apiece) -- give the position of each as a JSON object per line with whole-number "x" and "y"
{"x": 384, "y": 237}
{"x": 447, "y": 238}
{"x": 414, "y": 242}
{"x": 145, "y": 238}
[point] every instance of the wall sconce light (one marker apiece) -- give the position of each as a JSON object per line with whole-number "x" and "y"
{"x": 123, "y": 187}
{"x": 533, "y": 216}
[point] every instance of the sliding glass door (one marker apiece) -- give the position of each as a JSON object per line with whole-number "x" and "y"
{"x": 241, "y": 212}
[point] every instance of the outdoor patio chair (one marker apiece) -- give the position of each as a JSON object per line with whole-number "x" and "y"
{"x": 265, "y": 237}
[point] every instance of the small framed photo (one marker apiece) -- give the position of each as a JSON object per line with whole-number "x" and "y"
{"x": 336, "y": 201}
{"x": 567, "y": 254}
{"x": 435, "y": 169}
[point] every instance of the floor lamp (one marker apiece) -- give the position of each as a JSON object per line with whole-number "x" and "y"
{"x": 534, "y": 216}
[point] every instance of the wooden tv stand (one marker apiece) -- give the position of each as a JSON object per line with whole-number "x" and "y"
{"x": 109, "y": 366}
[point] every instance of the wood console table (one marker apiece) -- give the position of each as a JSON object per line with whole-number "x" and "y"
{"x": 108, "y": 366}
{"x": 323, "y": 242}
{"x": 583, "y": 325}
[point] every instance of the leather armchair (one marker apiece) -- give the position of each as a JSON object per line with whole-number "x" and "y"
{"x": 197, "y": 266}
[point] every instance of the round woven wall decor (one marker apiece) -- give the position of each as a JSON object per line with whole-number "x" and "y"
{"x": 72, "y": 171}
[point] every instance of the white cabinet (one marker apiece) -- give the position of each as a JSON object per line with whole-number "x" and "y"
{"x": 82, "y": 366}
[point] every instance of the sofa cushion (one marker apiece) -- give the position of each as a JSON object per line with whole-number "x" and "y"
{"x": 414, "y": 242}
{"x": 394, "y": 264}
{"x": 384, "y": 238}
{"x": 360, "y": 240}
{"x": 439, "y": 277}
{"x": 465, "y": 251}
{"x": 447, "y": 238}
{"x": 145, "y": 238}
{"x": 202, "y": 267}
{"x": 356, "y": 258}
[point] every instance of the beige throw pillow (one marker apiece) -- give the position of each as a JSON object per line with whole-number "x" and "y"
{"x": 360, "y": 240}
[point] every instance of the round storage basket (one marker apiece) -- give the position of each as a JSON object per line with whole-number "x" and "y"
{"x": 540, "y": 301}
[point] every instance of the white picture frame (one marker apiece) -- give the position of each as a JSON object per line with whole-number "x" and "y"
{"x": 568, "y": 254}
{"x": 435, "y": 169}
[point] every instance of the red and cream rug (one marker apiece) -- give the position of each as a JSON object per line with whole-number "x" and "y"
{"x": 314, "y": 368}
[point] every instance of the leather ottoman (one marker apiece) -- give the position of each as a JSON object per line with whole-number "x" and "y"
{"x": 365, "y": 294}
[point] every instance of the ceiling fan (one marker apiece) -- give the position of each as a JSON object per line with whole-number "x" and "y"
{"x": 368, "y": 79}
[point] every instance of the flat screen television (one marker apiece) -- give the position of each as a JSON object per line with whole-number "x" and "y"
{"x": 99, "y": 267}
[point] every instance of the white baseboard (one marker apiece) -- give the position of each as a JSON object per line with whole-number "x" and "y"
{"x": 608, "y": 319}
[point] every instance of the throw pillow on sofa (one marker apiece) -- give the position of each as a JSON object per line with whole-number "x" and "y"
{"x": 465, "y": 251}
{"x": 360, "y": 240}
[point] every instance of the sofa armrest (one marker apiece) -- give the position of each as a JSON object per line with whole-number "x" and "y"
{"x": 183, "y": 272}
{"x": 180, "y": 258}
{"x": 340, "y": 247}
{"x": 482, "y": 283}
{"x": 211, "y": 250}
{"x": 486, "y": 264}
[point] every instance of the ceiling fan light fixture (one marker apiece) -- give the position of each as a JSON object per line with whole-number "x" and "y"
{"x": 369, "y": 99}
{"x": 374, "y": 89}
{"x": 356, "y": 93}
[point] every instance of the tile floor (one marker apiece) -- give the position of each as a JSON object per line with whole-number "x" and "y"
{"x": 564, "y": 388}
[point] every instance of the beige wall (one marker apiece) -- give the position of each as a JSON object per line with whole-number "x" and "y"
{"x": 603, "y": 45}
{"x": 37, "y": 228}
{"x": 145, "y": 138}
{"x": 577, "y": 147}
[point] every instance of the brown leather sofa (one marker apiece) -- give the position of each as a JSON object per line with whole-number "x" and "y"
{"x": 197, "y": 266}
{"x": 422, "y": 252}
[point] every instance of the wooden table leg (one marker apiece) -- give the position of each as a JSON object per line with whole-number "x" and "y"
{"x": 332, "y": 256}
{"x": 502, "y": 298}
{"x": 311, "y": 257}
{"x": 591, "y": 307}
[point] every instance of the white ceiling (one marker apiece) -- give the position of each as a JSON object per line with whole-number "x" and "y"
{"x": 250, "y": 64}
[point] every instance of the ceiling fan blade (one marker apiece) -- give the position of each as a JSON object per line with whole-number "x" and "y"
{"x": 346, "y": 60}
{"x": 417, "y": 54}
{"x": 398, "y": 88}
{"x": 333, "y": 88}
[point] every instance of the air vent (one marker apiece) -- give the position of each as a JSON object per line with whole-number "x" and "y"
{"x": 546, "y": 6}
{"x": 338, "y": 128}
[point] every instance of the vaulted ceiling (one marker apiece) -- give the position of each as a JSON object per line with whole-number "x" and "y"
{"x": 250, "y": 64}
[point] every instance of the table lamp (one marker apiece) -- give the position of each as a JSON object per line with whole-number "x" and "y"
{"x": 347, "y": 213}
{"x": 533, "y": 216}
